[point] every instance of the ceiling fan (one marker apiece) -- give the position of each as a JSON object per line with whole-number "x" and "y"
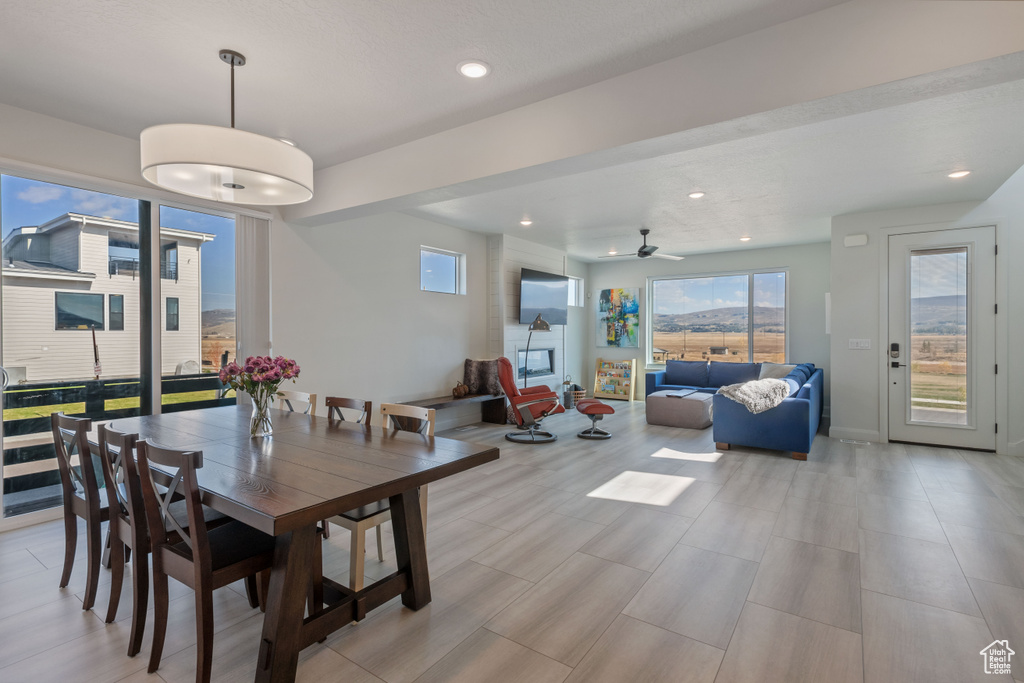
{"x": 646, "y": 250}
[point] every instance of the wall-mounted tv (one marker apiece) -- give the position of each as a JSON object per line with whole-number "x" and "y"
{"x": 544, "y": 293}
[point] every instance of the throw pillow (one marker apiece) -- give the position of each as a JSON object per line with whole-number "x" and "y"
{"x": 481, "y": 376}
{"x": 775, "y": 370}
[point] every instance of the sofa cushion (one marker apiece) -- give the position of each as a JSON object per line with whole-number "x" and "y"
{"x": 799, "y": 374}
{"x": 775, "y": 370}
{"x": 692, "y": 373}
{"x": 722, "y": 374}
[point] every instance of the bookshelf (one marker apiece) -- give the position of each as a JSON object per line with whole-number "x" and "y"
{"x": 615, "y": 379}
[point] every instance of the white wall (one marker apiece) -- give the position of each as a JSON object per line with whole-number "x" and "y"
{"x": 808, "y": 280}
{"x": 577, "y": 332}
{"x": 857, "y": 307}
{"x": 347, "y": 305}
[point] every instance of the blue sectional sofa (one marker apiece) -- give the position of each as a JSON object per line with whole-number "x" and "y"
{"x": 790, "y": 426}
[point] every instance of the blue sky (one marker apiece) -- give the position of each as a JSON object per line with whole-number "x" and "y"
{"x": 26, "y": 202}
{"x": 691, "y": 295}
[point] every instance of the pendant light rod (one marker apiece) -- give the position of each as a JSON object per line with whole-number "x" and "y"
{"x": 234, "y": 59}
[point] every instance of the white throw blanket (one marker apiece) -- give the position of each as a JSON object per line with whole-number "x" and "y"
{"x": 759, "y": 395}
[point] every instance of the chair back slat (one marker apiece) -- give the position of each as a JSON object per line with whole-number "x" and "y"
{"x": 117, "y": 455}
{"x": 287, "y": 399}
{"x": 70, "y": 441}
{"x": 181, "y": 467}
{"x": 426, "y": 417}
{"x": 335, "y": 404}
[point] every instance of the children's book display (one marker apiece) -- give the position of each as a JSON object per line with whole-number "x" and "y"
{"x": 615, "y": 379}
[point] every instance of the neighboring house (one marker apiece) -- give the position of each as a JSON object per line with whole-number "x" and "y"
{"x": 76, "y": 273}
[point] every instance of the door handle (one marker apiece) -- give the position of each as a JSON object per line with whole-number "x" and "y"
{"x": 897, "y": 364}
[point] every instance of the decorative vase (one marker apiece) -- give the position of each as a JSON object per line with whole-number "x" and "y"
{"x": 261, "y": 423}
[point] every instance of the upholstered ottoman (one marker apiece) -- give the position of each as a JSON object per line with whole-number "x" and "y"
{"x": 595, "y": 410}
{"x": 679, "y": 409}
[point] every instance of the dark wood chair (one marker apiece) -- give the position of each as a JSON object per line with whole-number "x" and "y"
{"x": 203, "y": 559}
{"x": 82, "y": 498}
{"x": 129, "y": 532}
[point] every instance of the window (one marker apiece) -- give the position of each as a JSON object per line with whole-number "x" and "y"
{"x": 169, "y": 261}
{"x": 575, "y": 291}
{"x": 76, "y": 311}
{"x": 172, "y": 314}
{"x": 442, "y": 271}
{"x": 116, "y": 304}
{"x": 732, "y": 318}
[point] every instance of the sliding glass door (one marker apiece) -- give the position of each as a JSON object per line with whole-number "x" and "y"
{"x": 77, "y": 298}
{"x": 70, "y": 335}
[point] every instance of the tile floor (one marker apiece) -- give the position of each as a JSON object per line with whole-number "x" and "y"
{"x": 650, "y": 557}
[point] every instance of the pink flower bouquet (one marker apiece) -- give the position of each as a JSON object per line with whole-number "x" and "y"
{"x": 260, "y": 376}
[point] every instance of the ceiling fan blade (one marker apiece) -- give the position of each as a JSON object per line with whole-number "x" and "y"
{"x": 617, "y": 255}
{"x": 668, "y": 257}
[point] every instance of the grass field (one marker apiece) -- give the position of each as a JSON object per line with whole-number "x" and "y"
{"x": 110, "y": 404}
{"x": 769, "y": 347}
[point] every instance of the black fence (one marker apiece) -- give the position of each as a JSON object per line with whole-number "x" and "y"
{"x": 30, "y": 476}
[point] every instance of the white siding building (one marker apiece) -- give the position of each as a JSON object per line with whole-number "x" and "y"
{"x": 76, "y": 273}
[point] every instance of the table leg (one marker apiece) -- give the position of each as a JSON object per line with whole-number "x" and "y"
{"x": 410, "y": 547}
{"x": 286, "y": 600}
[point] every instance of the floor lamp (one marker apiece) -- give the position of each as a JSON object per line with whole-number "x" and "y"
{"x": 538, "y": 325}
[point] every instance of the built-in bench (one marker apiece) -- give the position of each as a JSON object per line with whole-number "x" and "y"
{"x": 492, "y": 408}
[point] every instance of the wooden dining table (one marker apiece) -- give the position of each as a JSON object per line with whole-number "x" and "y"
{"x": 311, "y": 469}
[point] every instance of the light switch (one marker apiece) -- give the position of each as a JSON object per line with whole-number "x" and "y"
{"x": 860, "y": 344}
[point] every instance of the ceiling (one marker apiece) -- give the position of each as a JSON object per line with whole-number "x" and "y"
{"x": 346, "y": 80}
{"x": 778, "y": 188}
{"x": 341, "y": 79}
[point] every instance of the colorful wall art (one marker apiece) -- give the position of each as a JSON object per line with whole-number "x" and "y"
{"x": 618, "y": 317}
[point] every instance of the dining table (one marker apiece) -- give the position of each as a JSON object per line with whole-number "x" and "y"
{"x": 310, "y": 469}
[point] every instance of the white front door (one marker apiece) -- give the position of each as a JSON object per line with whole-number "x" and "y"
{"x": 941, "y": 352}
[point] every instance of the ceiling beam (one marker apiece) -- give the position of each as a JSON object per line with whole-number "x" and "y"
{"x": 786, "y": 75}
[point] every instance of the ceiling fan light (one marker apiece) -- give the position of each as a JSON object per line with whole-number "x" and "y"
{"x": 696, "y": 195}
{"x": 225, "y": 165}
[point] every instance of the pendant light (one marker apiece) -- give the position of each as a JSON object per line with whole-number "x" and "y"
{"x": 226, "y": 164}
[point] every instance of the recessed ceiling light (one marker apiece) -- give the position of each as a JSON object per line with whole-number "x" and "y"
{"x": 473, "y": 68}
{"x": 526, "y": 222}
{"x": 287, "y": 141}
{"x": 744, "y": 239}
{"x": 696, "y": 195}
{"x": 612, "y": 252}
{"x": 959, "y": 174}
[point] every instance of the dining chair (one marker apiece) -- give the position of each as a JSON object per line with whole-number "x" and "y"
{"x": 287, "y": 399}
{"x": 202, "y": 558}
{"x": 82, "y": 498}
{"x": 129, "y": 532}
{"x": 363, "y": 518}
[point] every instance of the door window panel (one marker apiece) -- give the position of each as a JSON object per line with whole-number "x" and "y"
{"x": 938, "y": 336}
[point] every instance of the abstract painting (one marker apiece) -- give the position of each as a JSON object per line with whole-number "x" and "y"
{"x": 618, "y": 317}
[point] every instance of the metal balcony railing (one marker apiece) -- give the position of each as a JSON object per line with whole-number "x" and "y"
{"x": 30, "y": 477}
{"x": 123, "y": 265}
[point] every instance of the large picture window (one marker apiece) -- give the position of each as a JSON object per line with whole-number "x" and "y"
{"x": 77, "y": 311}
{"x": 733, "y": 318}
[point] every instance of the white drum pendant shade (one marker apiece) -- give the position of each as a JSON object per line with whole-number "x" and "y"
{"x": 225, "y": 164}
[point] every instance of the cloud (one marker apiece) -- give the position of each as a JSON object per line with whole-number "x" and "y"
{"x": 40, "y": 194}
{"x": 103, "y": 205}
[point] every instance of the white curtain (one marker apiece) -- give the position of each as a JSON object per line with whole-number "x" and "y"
{"x": 252, "y": 286}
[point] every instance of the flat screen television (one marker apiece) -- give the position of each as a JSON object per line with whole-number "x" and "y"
{"x": 544, "y": 293}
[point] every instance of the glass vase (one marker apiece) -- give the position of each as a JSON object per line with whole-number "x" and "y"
{"x": 261, "y": 423}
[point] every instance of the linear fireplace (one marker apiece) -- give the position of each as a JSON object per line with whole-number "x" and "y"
{"x": 542, "y": 363}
